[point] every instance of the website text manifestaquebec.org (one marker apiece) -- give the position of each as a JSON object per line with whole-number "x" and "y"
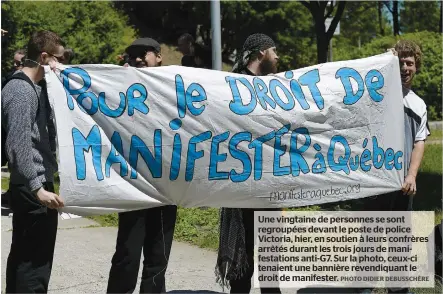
{"x": 313, "y": 193}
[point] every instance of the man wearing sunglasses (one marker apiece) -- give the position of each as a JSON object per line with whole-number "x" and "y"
{"x": 144, "y": 52}
{"x": 18, "y": 56}
{"x": 16, "y": 65}
{"x": 149, "y": 229}
{"x": 27, "y": 145}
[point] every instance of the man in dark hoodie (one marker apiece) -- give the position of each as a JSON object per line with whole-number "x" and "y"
{"x": 150, "y": 230}
{"x": 235, "y": 262}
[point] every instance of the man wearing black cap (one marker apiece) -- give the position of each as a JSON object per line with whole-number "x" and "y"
{"x": 149, "y": 229}
{"x": 235, "y": 262}
{"x": 144, "y": 52}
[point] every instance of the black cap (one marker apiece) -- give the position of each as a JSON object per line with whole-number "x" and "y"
{"x": 143, "y": 44}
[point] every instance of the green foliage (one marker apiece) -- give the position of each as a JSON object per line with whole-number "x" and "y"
{"x": 5, "y": 184}
{"x": 96, "y": 30}
{"x": 360, "y": 24}
{"x": 427, "y": 84}
{"x": 295, "y": 37}
{"x": 420, "y": 16}
{"x": 296, "y": 40}
{"x": 288, "y": 23}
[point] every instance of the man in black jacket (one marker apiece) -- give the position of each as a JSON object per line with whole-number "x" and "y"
{"x": 235, "y": 263}
{"x": 149, "y": 229}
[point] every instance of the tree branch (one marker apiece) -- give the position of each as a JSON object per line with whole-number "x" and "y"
{"x": 322, "y": 4}
{"x": 387, "y": 5}
{"x": 330, "y": 10}
{"x": 336, "y": 19}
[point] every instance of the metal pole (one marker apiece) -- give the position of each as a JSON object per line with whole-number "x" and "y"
{"x": 216, "y": 35}
{"x": 330, "y": 50}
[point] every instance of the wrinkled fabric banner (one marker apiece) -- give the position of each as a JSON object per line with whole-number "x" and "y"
{"x": 133, "y": 138}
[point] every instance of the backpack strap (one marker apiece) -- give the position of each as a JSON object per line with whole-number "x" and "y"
{"x": 21, "y": 76}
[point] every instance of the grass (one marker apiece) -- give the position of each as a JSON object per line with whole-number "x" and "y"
{"x": 198, "y": 226}
{"x": 436, "y": 134}
{"x": 429, "y": 182}
{"x": 432, "y": 159}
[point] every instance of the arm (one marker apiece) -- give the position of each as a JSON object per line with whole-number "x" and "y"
{"x": 19, "y": 110}
{"x": 409, "y": 186}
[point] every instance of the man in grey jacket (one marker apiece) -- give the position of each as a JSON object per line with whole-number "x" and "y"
{"x": 25, "y": 116}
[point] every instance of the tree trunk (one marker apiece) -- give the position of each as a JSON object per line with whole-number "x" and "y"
{"x": 317, "y": 9}
{"x": 395, "y": 18}
{"x": 380, "y": 18}
{"x": 322, "y": 40}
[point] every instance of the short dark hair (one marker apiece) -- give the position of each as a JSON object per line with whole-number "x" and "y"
{"x": 186, "y": 37}
{"x": 406, "y": 48}
{"x": 43, "y": 41}
{"x": 68, "y": 54}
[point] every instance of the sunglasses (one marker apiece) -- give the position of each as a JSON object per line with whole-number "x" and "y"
{"x": 18, "y": 63}
{"x": 132, "y": 59}
{"x": 59, "y": 59}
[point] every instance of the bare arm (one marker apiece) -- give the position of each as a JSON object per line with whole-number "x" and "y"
{"x": 410, "y": 186}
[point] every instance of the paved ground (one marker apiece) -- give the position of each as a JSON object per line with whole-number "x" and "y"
{"x": 83, "y": 255}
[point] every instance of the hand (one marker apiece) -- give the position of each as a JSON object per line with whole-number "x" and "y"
{"x": 53, "y": 65}
{"x": 49, "y": 199}
{"x": 409, "y": 186}
{"x": 4, "y": 32}
{"x": 393, "y": 51}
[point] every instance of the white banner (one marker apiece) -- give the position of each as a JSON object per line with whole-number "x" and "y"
{"x": 133, "y": 138}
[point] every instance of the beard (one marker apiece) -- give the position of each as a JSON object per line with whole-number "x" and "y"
{"x": 267, "y": 67}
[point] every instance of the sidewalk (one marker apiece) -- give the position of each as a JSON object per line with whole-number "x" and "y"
{"x": 83, "y": 258}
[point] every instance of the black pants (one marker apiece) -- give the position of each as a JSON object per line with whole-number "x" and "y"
{"x": 151, "y": 230}
{"x": 394, "y": 201}
{"x": 34, "y": 230}
{"x": 243, "y": 285}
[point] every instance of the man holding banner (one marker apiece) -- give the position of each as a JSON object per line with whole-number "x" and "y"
{"x": 149, "y": 229}
{"x": 416, "y": 132}
{"x": 25, "y": 117}
{"x": 235, "y": 261}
